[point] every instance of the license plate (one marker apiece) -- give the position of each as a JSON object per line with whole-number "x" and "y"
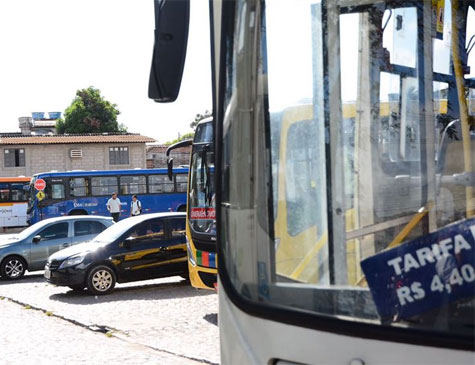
{"x": 47, "y": 273}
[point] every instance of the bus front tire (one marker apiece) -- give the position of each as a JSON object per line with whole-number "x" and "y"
{"x": 12, "y": 268}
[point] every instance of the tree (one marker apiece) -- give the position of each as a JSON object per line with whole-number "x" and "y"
{"x": 90, "y": 113}
{"x": 199, "y": 118}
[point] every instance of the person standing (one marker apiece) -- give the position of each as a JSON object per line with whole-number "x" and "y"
{"x": 113, "y": 206}
{"x": 135, "y": 206}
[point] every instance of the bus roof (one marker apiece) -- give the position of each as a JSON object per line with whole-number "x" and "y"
{"x": 15, "y": 179}
{"x": 163, "y": 171}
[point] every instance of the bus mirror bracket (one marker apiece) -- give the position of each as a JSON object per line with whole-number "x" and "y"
{"x": 184, "y": 143}
{"x": 169, "y": 51}
{"x": 170, "y": 168}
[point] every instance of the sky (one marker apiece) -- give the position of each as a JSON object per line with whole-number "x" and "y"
{"x": 51, "y": 48}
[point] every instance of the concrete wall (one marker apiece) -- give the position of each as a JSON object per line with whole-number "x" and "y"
{"x": 47, "y": 157}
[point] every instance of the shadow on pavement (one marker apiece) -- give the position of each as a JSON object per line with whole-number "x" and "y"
{"x": 211, "y": 318}
{"x": 156, "y": 291}
{"x": 27, "y": 279}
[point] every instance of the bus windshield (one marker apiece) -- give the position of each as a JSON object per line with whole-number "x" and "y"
{"x": 350, "y": 175}
{"x": 202, "y": 197}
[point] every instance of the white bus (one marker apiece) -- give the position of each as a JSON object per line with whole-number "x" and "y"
{"x": 13, "y": 201}
{"x": 343, "y": 237}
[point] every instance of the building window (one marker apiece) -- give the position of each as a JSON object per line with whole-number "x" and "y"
{"x": 14, "y": 157}
{"x": 119, "y": 155}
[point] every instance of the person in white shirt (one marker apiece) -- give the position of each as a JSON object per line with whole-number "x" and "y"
{"x": 113, "y": 206}
{"x": 135, "y": 206}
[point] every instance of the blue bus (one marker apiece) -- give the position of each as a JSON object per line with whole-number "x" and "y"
{"x": 87, "y": 192}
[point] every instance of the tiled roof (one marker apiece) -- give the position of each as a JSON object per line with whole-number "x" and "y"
{"x": 10, "y": 139}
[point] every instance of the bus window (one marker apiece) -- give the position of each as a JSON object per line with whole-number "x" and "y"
{"x": 181, "y": 182}
{"x": 4, "y": 192}
{"x": 104, "y": 185}
{"x": 133, "y": 185}
{"x": 78, "y": 186}
{"x": 441, "y": 45}
{"x": 300, "y": 178}
{"x": 160, "y": 184}
{"x": 17, "y": 192}
{"x": 57, "y": 191}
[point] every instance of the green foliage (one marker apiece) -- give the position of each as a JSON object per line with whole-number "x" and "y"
{"x": 199, "y": 118}
{"x": 181, "y": 138}
{"x": 90, "y": 113}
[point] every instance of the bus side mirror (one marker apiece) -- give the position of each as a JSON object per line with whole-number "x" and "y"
{"x": 170, "y": 168}
{"x": 171, "y": 37}
{"x": 36, "y": 239}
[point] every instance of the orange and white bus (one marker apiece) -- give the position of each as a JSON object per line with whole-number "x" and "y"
{"x": 13, "y": 201}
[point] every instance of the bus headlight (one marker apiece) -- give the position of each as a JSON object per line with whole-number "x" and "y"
{"x": 191, "y": 257}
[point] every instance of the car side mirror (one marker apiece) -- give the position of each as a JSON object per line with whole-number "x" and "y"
{"x": 36, "y": 239}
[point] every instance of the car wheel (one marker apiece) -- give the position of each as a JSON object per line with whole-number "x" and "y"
{"x": 101, "y": 280}
{"x": 13, "y": 268}
{"x": 76, "y": 287}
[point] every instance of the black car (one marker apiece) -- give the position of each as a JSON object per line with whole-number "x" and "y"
{"x": 137, "y": 248}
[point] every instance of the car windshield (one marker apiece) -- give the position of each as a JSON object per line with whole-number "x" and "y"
{"x": 116, "y": 230}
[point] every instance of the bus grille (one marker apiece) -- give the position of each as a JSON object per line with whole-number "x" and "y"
{"x": 208, "y": 279}
{"x": 204, "y": 245}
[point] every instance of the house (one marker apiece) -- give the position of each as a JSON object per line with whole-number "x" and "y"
{"x": 27, "y": 153}
{"x": 39, "y": 124}
{"x": 157, "y": 157}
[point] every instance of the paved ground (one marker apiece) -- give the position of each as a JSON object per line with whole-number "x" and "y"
{"x": 163, "y": 314}
{"x": 33, "y": 337}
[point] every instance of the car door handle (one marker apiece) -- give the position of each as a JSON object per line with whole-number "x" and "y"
{"x": 65, "y": 244}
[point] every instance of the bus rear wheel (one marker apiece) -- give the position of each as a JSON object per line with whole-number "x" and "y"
{"x": 181, "y": 208}
{"x": 78, "y": 212}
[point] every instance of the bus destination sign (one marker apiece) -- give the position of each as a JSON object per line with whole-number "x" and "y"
{"x": 425, "y": 273}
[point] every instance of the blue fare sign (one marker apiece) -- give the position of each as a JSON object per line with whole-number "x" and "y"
{"x": 425, "y": 273}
